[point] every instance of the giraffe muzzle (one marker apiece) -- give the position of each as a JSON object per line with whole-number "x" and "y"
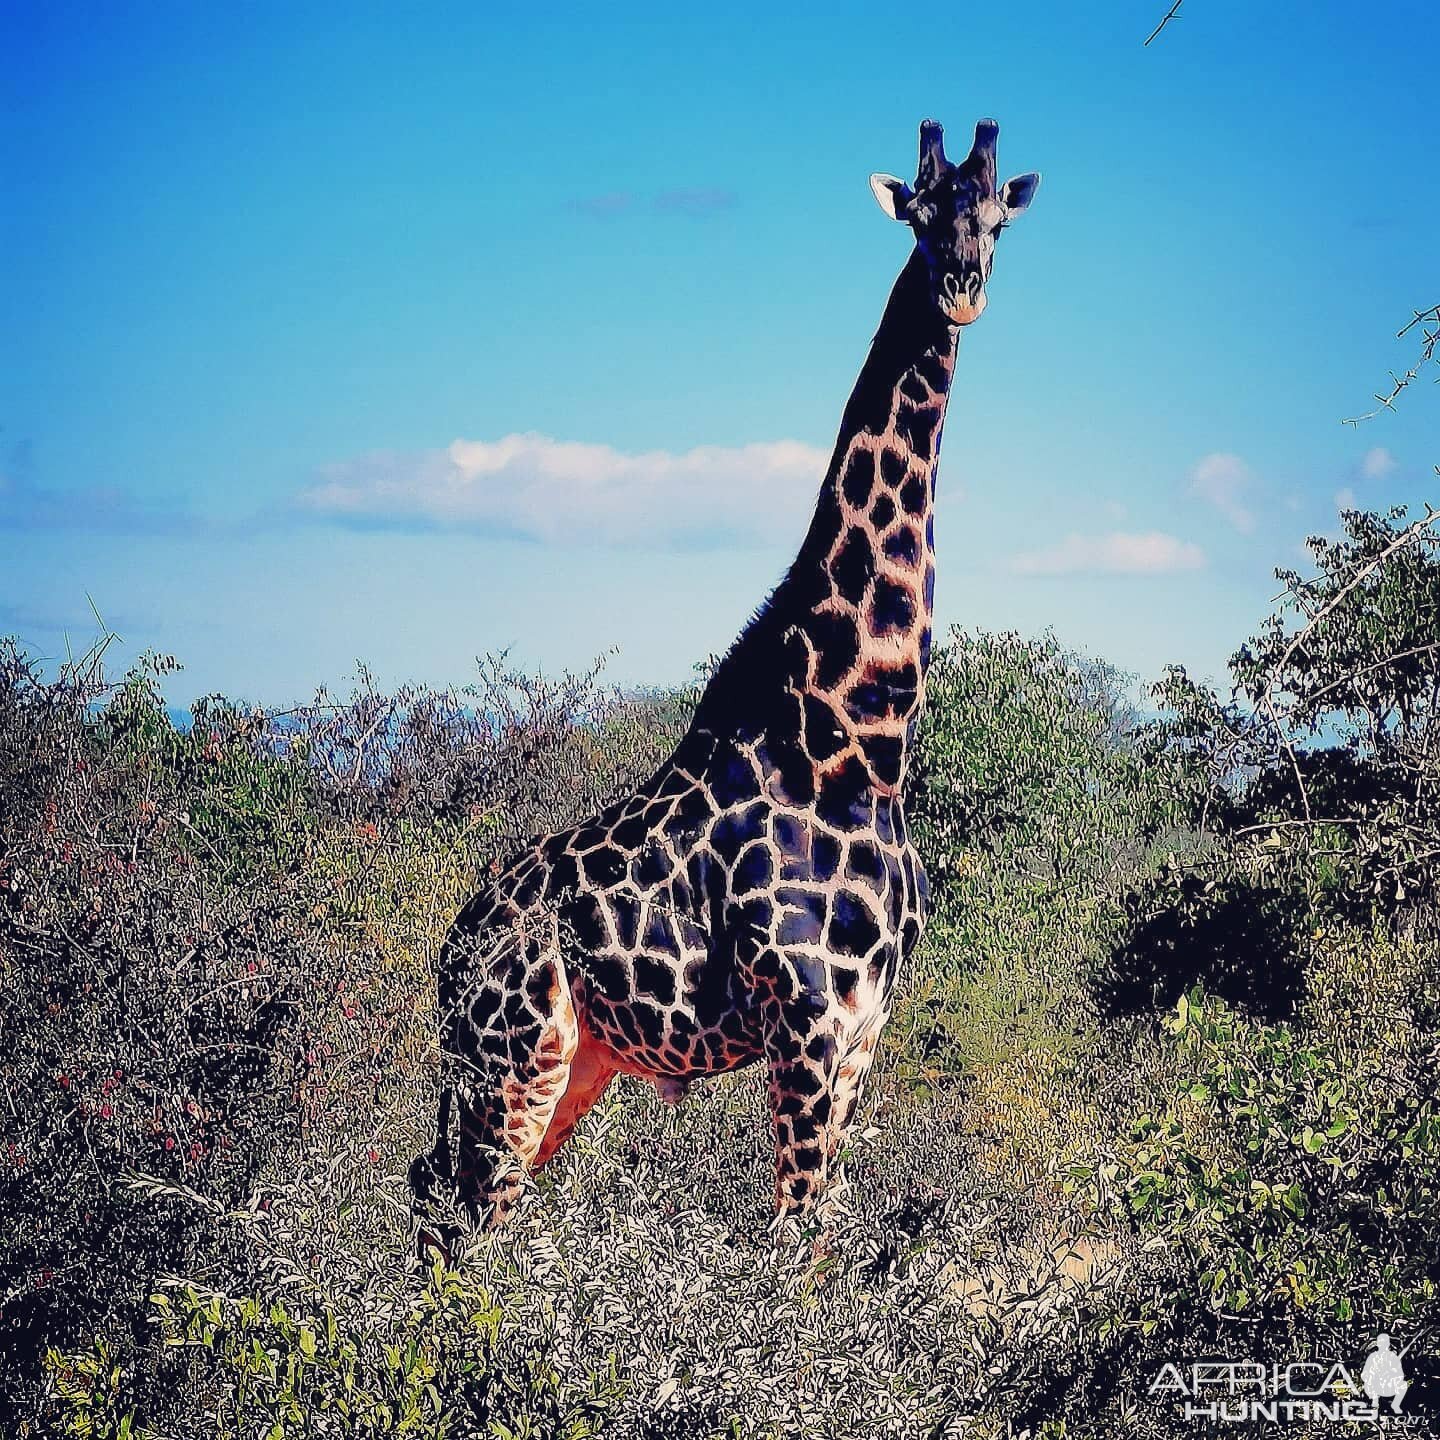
{"x": 962, "y": 300}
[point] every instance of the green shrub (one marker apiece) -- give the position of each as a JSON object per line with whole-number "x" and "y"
{"x": 1271, "y": 1135}
{"x": 1024, "y": 753}
{"x": 1033, "y": 810}
{"x": 435, "y": 1366}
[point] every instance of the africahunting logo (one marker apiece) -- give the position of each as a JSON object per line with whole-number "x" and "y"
{"x": 1242, "y": 1392}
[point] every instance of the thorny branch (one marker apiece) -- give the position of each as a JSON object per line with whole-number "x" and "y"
{"x": 1409, "y": 533}
{"x": 1429, "y": 322}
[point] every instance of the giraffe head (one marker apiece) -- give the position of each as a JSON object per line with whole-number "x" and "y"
{"x": 956, "y": 211}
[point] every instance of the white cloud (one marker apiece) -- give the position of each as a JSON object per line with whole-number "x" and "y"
{"x": 1222, "y": 479}
{"x": 545, "y": 489}
{"x": 1345, "y": 498}
{"x": 1118, "y": 553}
{"x": 1376, "y": 464}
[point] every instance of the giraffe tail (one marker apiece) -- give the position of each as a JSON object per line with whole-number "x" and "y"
{"x": 431, "y": 1174}
{"x": 434, "y": 1171}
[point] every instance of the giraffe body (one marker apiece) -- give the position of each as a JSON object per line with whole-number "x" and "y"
{"x": 756, "y": 898}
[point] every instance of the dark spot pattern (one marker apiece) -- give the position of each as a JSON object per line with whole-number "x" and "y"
{"x": 916, "y": 429}
{"x": 891, "y": 609}
{"x": 853, "y": 567}
{"x": 903, "y": 545}
{"x": 859, "y": 479}
{"x": 845, "y": 800}
{"x": 853, "y": 929}
{"x": 838, "y": 645}
{"x": 915, "y": 496}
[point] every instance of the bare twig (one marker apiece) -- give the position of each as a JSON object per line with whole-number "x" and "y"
{"x": 385, "y": 713}
{"x": 1312, "y": 823}
{"x": 1171, "y": 14}
{"x": 1289, "y": 745}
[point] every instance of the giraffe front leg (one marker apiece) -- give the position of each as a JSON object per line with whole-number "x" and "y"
{"x": 802, "y": 1052}
{"x": 813, "y": 1105}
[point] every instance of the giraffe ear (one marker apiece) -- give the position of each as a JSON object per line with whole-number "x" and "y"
{"x": 892, "y": 195}
{"x": 1016, "y": 194}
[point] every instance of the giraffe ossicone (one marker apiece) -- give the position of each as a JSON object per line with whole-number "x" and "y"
{"x": 755, "y": 899}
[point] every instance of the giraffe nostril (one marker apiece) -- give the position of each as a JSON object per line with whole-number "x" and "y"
{"x": 972, "y": 285}
{"x": 950, "y": 286}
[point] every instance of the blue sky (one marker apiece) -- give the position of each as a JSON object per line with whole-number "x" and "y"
{"x": 345, "y": 334}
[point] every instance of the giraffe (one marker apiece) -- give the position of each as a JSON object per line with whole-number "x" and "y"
{"x": 755, "y": 899}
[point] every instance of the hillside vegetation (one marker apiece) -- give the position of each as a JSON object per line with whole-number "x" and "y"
{"x": 1161, "y": 1083}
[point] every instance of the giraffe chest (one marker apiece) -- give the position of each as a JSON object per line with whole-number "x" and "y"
{"x": 671, "y": 906}
{"x": 676, "y": 977}
{"x": 658, "y": 984}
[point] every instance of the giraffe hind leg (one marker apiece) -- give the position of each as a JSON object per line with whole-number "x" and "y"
{"x": 591, "y": 1071}
{"x": 514, "y": 1045}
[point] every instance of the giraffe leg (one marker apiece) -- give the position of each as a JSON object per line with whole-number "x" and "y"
{"x": 850, "y": 1081}
{"x": 590, "y": 1072}
{"x": 802, "y": 1053}
{"x": 516, "y": 1040}
{"x": 818, "y": 1054}
{"x": 434, "y": 1171}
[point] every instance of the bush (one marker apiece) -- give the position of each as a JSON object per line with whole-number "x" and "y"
{"x": 216, "y": 951}
{"x": 1033, "y": 808}
{"x": 1285, "y": 1178}
{"x": 1330, "y": 745}
{"x": 1025, "y": 753}
{"x": 152, "y": 951}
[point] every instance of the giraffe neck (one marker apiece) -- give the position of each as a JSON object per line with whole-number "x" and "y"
{"x": 848, "y": 629}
